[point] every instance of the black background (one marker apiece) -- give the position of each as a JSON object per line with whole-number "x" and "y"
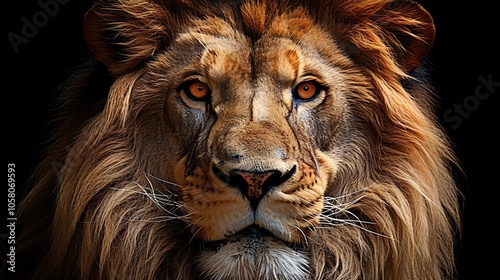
{"x": 466, "y": 48}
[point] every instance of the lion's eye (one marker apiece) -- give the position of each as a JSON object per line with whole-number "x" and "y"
{"x": 306, "y": 90}
{"x": 196, "y": 90}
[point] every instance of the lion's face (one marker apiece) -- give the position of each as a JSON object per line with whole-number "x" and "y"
{"x": 264, "y": 140}
{"x": 254, "y": 121}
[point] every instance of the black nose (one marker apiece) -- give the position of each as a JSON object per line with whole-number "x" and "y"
{"x": 254, "y": 185}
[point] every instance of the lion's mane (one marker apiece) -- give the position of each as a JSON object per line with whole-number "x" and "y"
{"x": 87, "y": 215}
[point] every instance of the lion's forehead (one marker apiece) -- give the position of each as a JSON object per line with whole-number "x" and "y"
{"x": 237, "y": 58}
{"x": 227, "y": 53}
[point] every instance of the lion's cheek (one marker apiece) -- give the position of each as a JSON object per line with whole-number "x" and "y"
{"x": 214, "y": 212}
{"x": 214, "y": 219}
{"x": 290, "y": 217}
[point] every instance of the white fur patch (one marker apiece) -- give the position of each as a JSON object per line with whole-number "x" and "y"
{"x": 253, "y": 258}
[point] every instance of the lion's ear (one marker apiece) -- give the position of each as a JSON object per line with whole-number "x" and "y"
{"x": 370, "y": 29}
{"x": 412, "y": 27}
{"x": 122, "y": 34}
{"x": 97, "y": 42}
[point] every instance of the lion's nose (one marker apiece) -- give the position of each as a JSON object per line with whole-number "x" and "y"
{"x": 255, "y": 185}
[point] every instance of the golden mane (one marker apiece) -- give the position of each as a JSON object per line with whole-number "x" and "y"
{"x": 88, "y": 215}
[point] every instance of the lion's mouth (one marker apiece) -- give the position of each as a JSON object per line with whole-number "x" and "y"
{"x": 251, "y": 235}
{"x": 254, "y": 231}
{"x": 252, "y": 253}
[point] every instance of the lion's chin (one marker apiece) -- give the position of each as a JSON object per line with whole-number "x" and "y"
{"x": 253, "y": 254}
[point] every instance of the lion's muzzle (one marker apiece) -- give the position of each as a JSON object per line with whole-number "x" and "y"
{"x": 254, "y": 184}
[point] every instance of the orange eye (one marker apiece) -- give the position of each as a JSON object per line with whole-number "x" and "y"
{"x": 197, "y": 90}
{"x": 306, "y": 90}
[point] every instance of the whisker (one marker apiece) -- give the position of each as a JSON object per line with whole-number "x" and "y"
{"x": 303, "y": 234}
{"x": 152, "y": 196}
{"x": 160, "y": 219}
{"x": 194, "y": 233}
{"x": 163, "y": 201}
{"x": 336, "y": 198}
{"x": 338, "y": 214}
{"x": 163, "y": 180}
{"x": 355, "y": 225}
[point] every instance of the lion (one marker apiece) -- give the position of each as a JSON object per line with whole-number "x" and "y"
{"x": 246, "y": 140}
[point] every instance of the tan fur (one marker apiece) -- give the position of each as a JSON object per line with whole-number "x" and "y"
{"x": 142, "y": 183}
